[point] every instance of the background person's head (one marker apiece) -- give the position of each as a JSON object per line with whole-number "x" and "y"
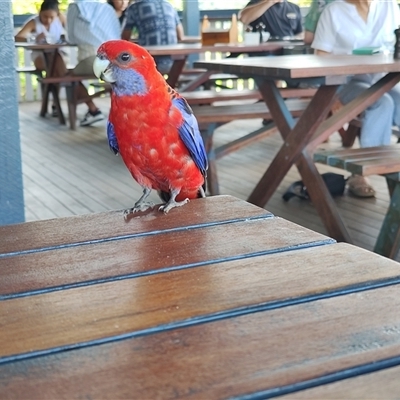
{"x": 48, "y": 12}
{"x": 119, "y": 5}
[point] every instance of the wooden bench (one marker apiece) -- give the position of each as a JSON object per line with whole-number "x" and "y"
{"x": 210, "y": 117}
{"x": 70, "y": 82}
{"x": 385, "y": 161}
{"x": 211, "y": 96}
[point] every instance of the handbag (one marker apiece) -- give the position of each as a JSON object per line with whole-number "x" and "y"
{"x": 335, "y": 183}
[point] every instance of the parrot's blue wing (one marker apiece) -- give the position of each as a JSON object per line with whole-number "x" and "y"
{"x": 190, "y": 134}
{"x": 112, "y": 139}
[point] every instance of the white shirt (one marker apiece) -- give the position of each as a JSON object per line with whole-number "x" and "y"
{"x": 341, "y": 29}
{"x": 89, "y": 24}
{"x": 55, "y": 30}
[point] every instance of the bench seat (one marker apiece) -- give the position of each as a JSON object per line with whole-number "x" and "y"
{"x": 210, "y": 117}
{"x": 70, "y": 83}
{"x": 211, "y": 96}
{"x": 382, "y": 160}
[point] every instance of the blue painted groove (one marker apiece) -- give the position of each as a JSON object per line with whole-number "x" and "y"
{"x": 165, "y": 269}
{"x": 333, "y": 377}
{"x": 134, "y": 235}
{"x": 221, "y": 315}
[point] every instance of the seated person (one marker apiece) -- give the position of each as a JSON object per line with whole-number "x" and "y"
{"x": 48, "y": 25}
{"x": 157, "y": 23}
{"x": 343, "y": 27}
{"x": 120, "y": 7}
{"x": 278, "y": 17}
{"x": 89, "y": 24}
{"x": 311, "y": 19}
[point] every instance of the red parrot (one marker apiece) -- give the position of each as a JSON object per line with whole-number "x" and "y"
{"x": 151, "y": 126}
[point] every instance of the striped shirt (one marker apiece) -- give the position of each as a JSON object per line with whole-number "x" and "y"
{"x": 89, "y": 24}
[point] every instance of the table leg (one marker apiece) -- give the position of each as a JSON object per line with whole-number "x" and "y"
{"x": 195, "y": 83}
{"x": 175, "y": 71}
{"x": 312, "y": 129}
{"x": 296, "y": 139}
{"x": 388, "y": 242}
{"x": 50, "y": 61}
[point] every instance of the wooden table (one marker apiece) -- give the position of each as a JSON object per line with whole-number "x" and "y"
{"x": 217, "y": 299}
{"x": 313, "y": 127}
{"x": 49, "y": 52}
{"x": 181, "y": 51}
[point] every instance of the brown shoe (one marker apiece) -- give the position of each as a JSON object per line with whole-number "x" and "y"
{"x": 359, "y": 186}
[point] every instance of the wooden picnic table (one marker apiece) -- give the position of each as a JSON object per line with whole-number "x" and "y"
{"x": 49, "y": 54}
{"x": 217, "y": 299}
{"x": 181, "y": 51}
{"x": 313, "y": 127}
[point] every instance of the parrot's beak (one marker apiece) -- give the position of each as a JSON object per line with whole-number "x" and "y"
{"x": 101, "y": 68}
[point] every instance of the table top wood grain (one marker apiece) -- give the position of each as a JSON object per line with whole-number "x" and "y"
{"x": 304, "y": 65}
{"x": 217, "y": 299}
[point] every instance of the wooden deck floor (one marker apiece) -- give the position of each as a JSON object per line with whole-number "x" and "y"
{"x": 69, "y": 173}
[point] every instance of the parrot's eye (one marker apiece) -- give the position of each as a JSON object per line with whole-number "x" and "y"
{"x": 125, "y": 57}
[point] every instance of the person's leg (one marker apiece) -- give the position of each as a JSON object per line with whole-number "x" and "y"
{"x": 376, "y": 129}
{"x": 60, "y": 69}
{"x": 395, "y": 94}
{"x": 377, "y": 119}
{"x": 85, "y": 67}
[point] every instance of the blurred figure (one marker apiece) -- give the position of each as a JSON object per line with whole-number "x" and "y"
{"x": 278, "y": 17}
{"x": 157, "y": 23}
{"x": 47, "y": 26}
{"x": 120, "y": 7}
{"x": 311, "y": 19}
{"x": 89, "y": 24}
{"x": 348, "y": 25}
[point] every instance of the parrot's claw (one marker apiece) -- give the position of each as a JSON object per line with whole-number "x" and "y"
{"x": 143, "y": 206}
{"x": 172, "y": 204}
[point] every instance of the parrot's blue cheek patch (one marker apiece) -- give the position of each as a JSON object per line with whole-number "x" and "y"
{"x": 129, "y": 83}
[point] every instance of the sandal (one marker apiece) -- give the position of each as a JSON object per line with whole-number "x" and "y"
{"x": 360, "y": 187}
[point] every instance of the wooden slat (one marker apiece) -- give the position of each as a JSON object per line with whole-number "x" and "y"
{"x": 146, "y": 254}
{"x": 56, "y": 232}
{"x": 225, "y": 358}
{"x": 383, "y": 384}
{"x": 137, "y": 306}
{"x": 363, "y": 161}
{"x": 211, "y": 96}
{"x": 374, "y": 167}
{"x": 328, "y": 156}
{"x": 227, "y": 113}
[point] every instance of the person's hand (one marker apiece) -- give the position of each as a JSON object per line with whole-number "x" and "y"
{"x": 41, "y": 38}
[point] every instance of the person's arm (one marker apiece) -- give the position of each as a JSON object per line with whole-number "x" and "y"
{"x": 254, "y": 11}
{"x": 25, "y": 31}
{"x": 310, "y": 22}
{"x": 72, "y": 14}
{"x": 308, "y": 37}
{"x": 129, "y": 23}
{"x": 180, "y": 32}
{"x": 298, "y": 32}
{"x": 321, "y": 52}
{"x": 63, "y": 20}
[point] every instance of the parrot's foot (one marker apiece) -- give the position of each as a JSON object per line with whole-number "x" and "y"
{"x": 139, "y": 206}
{"x": 172, "y": 204}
